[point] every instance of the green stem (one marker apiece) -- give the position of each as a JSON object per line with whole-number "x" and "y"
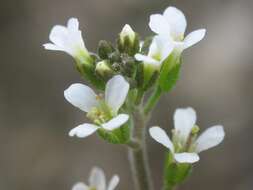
{"x": 138, "y": 157}
{"x": 152, "y": 101}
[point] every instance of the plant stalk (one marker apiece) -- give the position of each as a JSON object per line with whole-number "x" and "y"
{"x": 138, "y": 158}
{"x": 152, "y": 101}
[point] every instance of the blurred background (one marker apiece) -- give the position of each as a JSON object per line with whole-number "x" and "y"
{"x": 36, "y": 152}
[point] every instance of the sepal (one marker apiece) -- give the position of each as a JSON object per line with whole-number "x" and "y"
{"x": 170, "y": 72}
{"x": 118, "y": 136}
{"x": 175, "y": 173}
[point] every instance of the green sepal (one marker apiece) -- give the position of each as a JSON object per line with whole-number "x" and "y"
{"x": 170, "y": 71}
{"x": 117, "y": 136}
{"x": 128, "y": 46}
{"x": 140, "y": 75}
{"x": 146, "y": 44}
{"x": 175, "y": 173}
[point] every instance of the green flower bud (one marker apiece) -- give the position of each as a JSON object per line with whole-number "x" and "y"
{"x": 128, "y": 41}
{"x": 104, "y": 70}
{"x": 105, "y": 49}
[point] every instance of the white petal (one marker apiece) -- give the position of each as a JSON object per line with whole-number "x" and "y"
{"x": 116, "y": 92}
{"x": 50, "y": 46}
{"x": 186, "y": 157}
{"x": 73, "y": 24}
{"x": 97, "y": 179}
{"x": 161, "y": 137}
{"x": 176, "y": 20}
{"x": 80, "y": 186}
{"x": 116, "y": 122}
{"x": 146, "y": 59}
{"x": 159, "y": 24}
{"x": 210, "y": 138}
{"x": 81, "y": 96}
{"x": 113, "y": 182}
{"x": 161, "y": 45}
{"x": 58, "y": 35}
{"x": 184, "y": 121}
{"x": 194, "y": 37}
{"x": 83, "y": 130}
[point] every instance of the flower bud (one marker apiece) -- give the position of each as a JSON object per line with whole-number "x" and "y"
{"x": 103, "y": 69}
{"x": 128, "y": 41}
{"x": 105, "y": 49}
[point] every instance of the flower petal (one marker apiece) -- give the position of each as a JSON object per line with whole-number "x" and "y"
{"x": 50, "y": 46}
{"x": 116, "y": 122}
{"x": 116, "y": 92}
{"x": 161, "y": 45}
{"x": 81, "y": 96}
{"x": 73, "y": 24}
{"x": 97, "y": 179}
{"x": 210, "y": 138}
{"x": 113, "y": 182}
{"x": 159, "y": 24}
{"x": 186, "y": 157}
{"x": 184, "y": 121}
{"x": 83, "y": 130}
{"x": 194, "y": 37}
{"x": 80, "y": 186}
{"x": 146, "y": 59}
{"x": 176, "y": 20}
{"x": 161, "y": 137}
{"x": 58, "y": 35}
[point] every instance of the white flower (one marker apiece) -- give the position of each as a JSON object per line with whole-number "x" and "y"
{"x": 172, "y": 24}
{"x": 97, "y": 181}
{"x": 185, "y": 145}
{"x": 68, "y": 39}
{"x": 103, "y": 112}
{"x": 127, "y": 31}
{"x": 159, "y": 50}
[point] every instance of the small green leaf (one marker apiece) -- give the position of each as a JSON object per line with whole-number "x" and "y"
{"x": 117, "y": 136}
{"x": 170, "y": 72}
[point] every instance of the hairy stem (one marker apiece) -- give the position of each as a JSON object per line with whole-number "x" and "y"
{"x": 138, "y": 157}
{"x": 152, "y": 101}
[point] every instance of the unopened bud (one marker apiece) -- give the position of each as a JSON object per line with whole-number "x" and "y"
{"x": 105, "y": 49}
{"x": 128, "y": 41}
{"x": 103, "y": 69}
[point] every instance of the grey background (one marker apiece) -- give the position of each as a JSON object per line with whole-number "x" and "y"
{"x": 216, "y": 80}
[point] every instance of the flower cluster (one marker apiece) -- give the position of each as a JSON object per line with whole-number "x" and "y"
{"x": 123, "y": 75}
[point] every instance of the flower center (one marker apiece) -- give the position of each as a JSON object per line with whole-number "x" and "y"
{"x": 178, "y": 38}
{"x": 188, "y": 145}
{"x": 100, "y": 114}
{"x": 157, "y": 56}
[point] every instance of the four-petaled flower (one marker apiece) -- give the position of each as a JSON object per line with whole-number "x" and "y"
{"x": 159, "y": 50}
{"x": 185, "y": 145}
{"x": 68, "y": 39}
{"x": 172, "y": 24}
{"x": 102, "y": 111}
{"x": 97, "y": 181}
